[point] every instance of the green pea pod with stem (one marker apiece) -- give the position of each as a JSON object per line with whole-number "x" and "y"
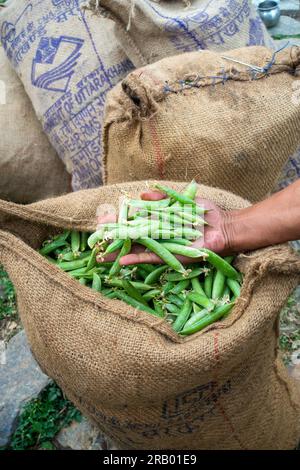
{"x": 116, "y": 267}
{"x": 197, "y": 287}
{"x": 191, "y": 190}
{"x": 133, "y": 292}
{"x": 227, "y": 292}
{"x": 208, "y": 282}
{"x": 181, "y": 286}
{"x": 234, "y": 286}
{"x": 175, "y": 195}
{"x": 207, "y": 320}
{"x": 114, "y": 246}
{"x": 75, "y": 241}
{"x": 52, "y": 246}
{"x": 218, "y": 285}
{"x": 178, "y": 241}
{"x": 97, "y": 283}
{"x": 72, "y": 265}
{"x": 118, "y": 283}
{"x": 175, "y": 277}
{"x": 163, "y": 253}
{"x": 154, "y": 276}
{"x": 134, "y": 303}
{"x": 83, "y": 241}
{"x": 183, "y": 250}
{"x": 183, "y": 315}
{"x": 201, "y": 300}
{"x": 70, "y": 256}
{"x": 221, "y": 264}
{"x": 151, "y": 294}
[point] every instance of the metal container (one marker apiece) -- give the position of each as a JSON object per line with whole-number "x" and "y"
{"x": 269, "y": 12}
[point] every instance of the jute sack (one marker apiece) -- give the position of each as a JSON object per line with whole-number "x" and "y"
{"x": 29, "y": 167}
{"x": 223, "y": 388}
{"x": 67, "y": 60}
{"x": 202, "y": 116}
{"x": 152, "y": 30}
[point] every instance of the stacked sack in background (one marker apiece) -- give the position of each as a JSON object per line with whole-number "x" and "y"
{"x": 150, "y": 30}
{"x": 67, "y": 60}
{"x": 224, "y": 387}
{"x": 206, "y": 116}
{"x": 29, "y": 167}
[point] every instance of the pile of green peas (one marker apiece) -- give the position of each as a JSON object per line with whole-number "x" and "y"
{"x": 189, "y": 297}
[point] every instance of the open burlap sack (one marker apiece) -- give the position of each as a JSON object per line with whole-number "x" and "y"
{"x": 202, "y": 116}
{"x": 147, "y": 388}
{"x": 67, "y": 60}
{"x": 151, "y": 30}
{"x": 29, "y": 167}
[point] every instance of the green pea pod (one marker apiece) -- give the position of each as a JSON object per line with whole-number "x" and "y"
{"x": 175, "y": 277}
{"x": 208, "y": 282}
{"x": 70, "y": 256}
{"x": 197, "y": 287}
{"x": 221, "y": 264}
{"x": 196, "y": 308}
{"x": 75, "y": 241}
{"x": 51, "y": 260}
{"x": 118, "y": 283}
{"x": 83, "y": 241}
{"x": 83, "y": 281}
{"x": 234, "y": 286}
{"x": 176, "y": 300}
{"x": 201, "y": 300}
{"x": 151, "y": 294}
{"x": 52, "y": 246}
{"x": 207, "y": 320}
{"x": 97, "y": 283}
{"x": 123, "y": 214}
{"x": 183, "y": 315}
{"x": 134, "y": 303}
{"x": 133, "y": 292}
{"x": 72, "y": 265}
{"x": 175, "y": 195}
{"x": 92, "y": 259}
{"x": 183, "y": 250}
{"x": 163, "y": 253}
{"x": 148, "y": 267}
{"x": 179, "y": 241}
{"x": 154, "y": 276}
{"x": 218, "y": 285}
{"x": 141, "y": 273}
{"x": 116, "y": 267}
{"x": 196, "y": 316}
{"x": 191, "y": 190}
{"x": 181, "y": 286}
{"x": 114, "y": 246}
{"x": 63, "y": 236}
{"x": 227, "y": 292}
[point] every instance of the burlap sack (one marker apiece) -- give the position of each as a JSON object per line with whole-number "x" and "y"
{"x": 223, "y": 388}
{"x": 29, "y": 167}
{"x": 201, "y": 116}
{"x": 67, "y": 60}
{"x": 152, "y": 30}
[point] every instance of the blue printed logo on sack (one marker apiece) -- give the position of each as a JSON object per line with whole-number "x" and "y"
{"x": 55, "y": 61}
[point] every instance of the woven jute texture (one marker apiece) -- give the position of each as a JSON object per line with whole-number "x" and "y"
{"x": 147, "y": 388}
{"x": 201, "y": 116}
{"x": 29, "y": 167}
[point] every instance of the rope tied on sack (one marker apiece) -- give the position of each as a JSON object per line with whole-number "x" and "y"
{"x": 254, "y": 68}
